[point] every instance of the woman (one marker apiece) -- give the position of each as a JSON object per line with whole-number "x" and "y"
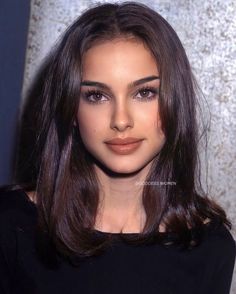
{"x": 113, "y": 203}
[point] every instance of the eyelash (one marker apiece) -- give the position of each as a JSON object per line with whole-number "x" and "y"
{"x": 86, "y": 95}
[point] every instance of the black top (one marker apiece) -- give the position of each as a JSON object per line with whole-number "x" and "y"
{"x": 122, "y": 268}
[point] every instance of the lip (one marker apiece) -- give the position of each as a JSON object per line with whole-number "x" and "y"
{"x": 124, "y": 141}
{"x": 124, "y": 146}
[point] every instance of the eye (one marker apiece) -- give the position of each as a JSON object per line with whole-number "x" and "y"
{"x": 94, "y": 96}
{"x": 147, "y": 93}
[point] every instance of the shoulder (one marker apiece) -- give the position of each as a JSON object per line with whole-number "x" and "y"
{"x": 219, "y": 240}
{"x": 17, "y": 215}
{"x": 15, "y": 208}
{"x": 220, "y": 234}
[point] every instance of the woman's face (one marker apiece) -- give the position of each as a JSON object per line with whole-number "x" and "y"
{"x": 119, "y": 99}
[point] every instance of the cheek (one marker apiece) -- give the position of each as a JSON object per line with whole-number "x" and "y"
{"x": 157, "y": 122}
{"x": 155, "y": 126}
{"x": 90, "y": 124}
{"x": 151, "y": 118}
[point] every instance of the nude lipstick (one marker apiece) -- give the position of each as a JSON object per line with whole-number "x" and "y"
{"x": 124, "y": 146}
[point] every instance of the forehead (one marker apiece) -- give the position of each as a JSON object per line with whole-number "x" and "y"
{"x": 119, "y": 54}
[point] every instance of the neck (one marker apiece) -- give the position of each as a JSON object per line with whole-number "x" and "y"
{"x": 120, "y": 206}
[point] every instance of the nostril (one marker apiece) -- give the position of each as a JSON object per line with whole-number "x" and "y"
{"x": 121, "y": 120}
{"x": 121, "y": 124}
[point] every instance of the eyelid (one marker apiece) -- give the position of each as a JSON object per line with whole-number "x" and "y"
{"x": 153, "y": 89}
{"x": 147, "y": 85}
{"x": 110, "y": 93}
{"x": 139, "y": 88}
{"x": 98, "y": 90}
{"x": 89, "y": 92}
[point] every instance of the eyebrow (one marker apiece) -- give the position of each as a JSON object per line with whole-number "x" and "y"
{"x": 131, "y": 85}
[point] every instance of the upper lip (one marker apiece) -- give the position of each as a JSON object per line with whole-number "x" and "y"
{"x": 120, "y": 141}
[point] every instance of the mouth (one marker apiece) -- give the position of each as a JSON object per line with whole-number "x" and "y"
{"x": 125, "y": 146}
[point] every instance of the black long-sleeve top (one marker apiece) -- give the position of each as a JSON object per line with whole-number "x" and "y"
{"x": 122, "y": 268}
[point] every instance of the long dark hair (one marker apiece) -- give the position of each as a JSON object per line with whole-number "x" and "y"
{"x": 63, "y": 176}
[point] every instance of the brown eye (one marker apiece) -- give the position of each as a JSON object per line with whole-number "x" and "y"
{"x": 146, "y": 93}
{"x": 94, "y": 97}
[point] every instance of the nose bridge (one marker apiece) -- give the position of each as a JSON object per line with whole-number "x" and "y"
{"x": 121, "y": 117}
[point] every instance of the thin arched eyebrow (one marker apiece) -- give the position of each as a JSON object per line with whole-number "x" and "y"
{"x": 130, "y": 86}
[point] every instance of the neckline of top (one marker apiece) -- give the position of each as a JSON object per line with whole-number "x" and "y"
{"x": 205, "y": 226}
{"x": 133, "y": 234}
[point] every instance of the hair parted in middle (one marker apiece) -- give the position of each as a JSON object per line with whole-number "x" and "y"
{"x": 65, "y": 182}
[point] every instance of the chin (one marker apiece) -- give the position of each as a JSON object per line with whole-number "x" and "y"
{"x": 122, "y": 170}
{"x": 121, "y": 166}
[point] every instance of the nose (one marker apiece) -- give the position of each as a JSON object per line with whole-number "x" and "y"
{"x": 121, "y": 117}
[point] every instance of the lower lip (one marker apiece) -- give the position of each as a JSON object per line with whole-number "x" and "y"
{"x": 125, "y": 148}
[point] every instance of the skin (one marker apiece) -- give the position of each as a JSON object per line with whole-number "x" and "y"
{"x": 123, "y": 111}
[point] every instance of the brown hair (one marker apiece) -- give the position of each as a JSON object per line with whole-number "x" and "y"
{"x": 62, "y": 169}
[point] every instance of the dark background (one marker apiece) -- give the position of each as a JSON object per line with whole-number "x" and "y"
{"x": 14, "y": 20}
